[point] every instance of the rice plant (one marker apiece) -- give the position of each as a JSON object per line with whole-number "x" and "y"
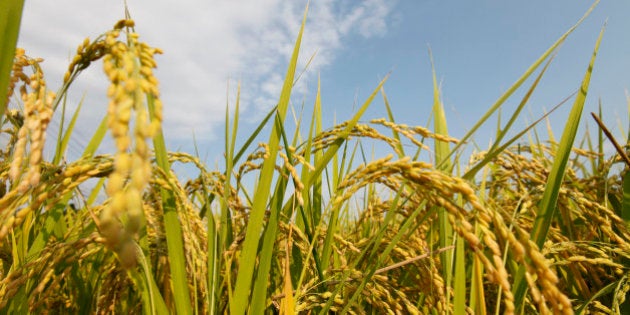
{"x": 526, "y": 226}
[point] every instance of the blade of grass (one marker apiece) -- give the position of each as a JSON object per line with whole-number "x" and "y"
{"x": 441, "y": 154}
{"x": 603, "y": 291}
{"x": 230, "y": 140}
{"x": 320, "y": 166}
{"x": 470, "y": 174}
{"x": 459, "y": 283}
{"x": 172, "y": 226}
{"x": 254, "y": 134}
{"x": 332, "y": 226}
{"x": 341, "y": 137}
{"x": 310, "y": 214}
{"x": 255, "y": 226}
{"x": 518, "y": 83}
{"x": 62, "y": 142}
{"x": 477, "y": 290}
{"x": 145, "y": 283}
{"x": 214, "y": 259}
{"x": 547, "y": 205}
{"x": 495, "y": 150}
{"x": 390, "y": 116}
{"x": 10, "y": 19}
{"x": 261, "y": 285}
{"x": 96, "y": 140}
{"x": 556, "y": 176}
{"x": 245, "y": 146}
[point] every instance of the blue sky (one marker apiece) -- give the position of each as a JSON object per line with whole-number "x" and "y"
{"x": 480, "y": 48}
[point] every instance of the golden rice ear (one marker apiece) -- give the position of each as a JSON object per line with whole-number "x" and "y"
{"x": 38, "y": 111}
{"x": 129, "y": 65}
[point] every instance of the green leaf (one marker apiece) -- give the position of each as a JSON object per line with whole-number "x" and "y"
{"x": 495, "y": 150}
{"x": 64, "y": 137}
{"x": 214, "y": 263}
{"x": 556, "y": 176}
{"x": 240, "y": 302}
{"x": 10, "y": 18}
{"x": 96, "y": 140}
{"x": 518, "y": 83}
{"x": 459, "y": 285}
{"x": 390, "y": 116}
{"x": 172, "y": 226}
{"x": 342, "y": 136}
{"x": 547, "y": 206}
{"x": 442, "y": 151}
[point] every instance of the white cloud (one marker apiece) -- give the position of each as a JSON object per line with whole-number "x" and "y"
{"x": 205, "y": 44}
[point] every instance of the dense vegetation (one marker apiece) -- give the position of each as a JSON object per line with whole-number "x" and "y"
{"x": 526, "y": 226}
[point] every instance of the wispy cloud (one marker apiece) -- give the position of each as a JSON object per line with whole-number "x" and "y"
{"x": 206, "y": 43}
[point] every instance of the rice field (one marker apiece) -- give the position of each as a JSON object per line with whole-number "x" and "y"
{"x": 527, "y": 226}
